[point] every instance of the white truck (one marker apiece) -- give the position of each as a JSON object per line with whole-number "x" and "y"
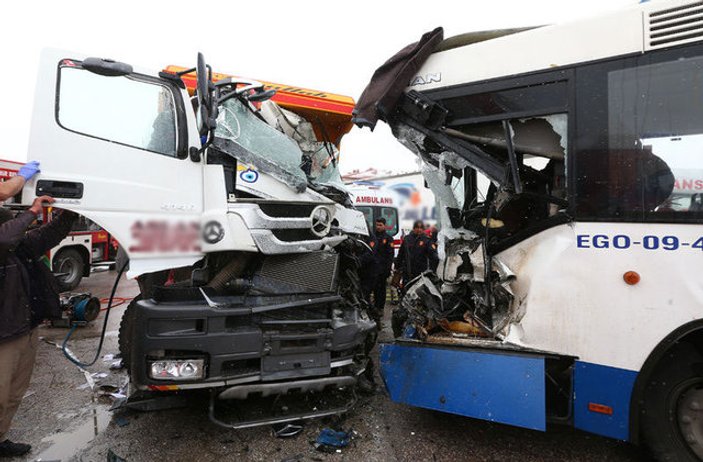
{"x": 233, "y": 216}
{"x": 85, "y": 246}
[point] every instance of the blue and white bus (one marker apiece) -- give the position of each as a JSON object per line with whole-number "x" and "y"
{"x": 569, "y": 291}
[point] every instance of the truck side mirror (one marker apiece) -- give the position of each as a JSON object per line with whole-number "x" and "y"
{"x": 106, "y": 67}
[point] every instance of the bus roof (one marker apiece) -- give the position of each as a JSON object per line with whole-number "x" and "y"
{"x": 482, "y": 56}
{"x": 330, "y": 110}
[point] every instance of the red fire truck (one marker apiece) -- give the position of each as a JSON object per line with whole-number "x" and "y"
{"x": 87, "y": 244}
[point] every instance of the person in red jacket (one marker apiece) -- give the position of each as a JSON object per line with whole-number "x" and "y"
{"x": 28, "y": 295}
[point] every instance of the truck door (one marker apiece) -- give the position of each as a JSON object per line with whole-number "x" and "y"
{"x": 113, "y": 144}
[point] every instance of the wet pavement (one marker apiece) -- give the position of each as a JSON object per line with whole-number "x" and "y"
{"x": 65, "y": 420}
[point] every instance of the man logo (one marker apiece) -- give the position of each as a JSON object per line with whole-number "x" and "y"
{"x": 434, "y": 77}
{"x": 213, "y": 232}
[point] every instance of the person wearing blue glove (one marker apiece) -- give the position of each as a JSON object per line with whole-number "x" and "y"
{"x": 12, "y": 186}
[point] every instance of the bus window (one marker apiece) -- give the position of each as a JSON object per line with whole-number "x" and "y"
{"x": 540, "y": 146}
{"x": 640, "y": 136}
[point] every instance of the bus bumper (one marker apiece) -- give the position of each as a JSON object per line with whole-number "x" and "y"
{"x": 500, "y": 387}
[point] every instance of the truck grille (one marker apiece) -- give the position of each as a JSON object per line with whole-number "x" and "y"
{"x": 286, "y": 209}
{"x": 313, "y": 272}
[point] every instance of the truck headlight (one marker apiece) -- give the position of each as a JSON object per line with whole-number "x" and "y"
{"x": 177, "y": 369}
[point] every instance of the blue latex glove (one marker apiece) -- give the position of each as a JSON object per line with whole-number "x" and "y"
{"x": 335, "y": 439}
{"x": 28, "y": 170}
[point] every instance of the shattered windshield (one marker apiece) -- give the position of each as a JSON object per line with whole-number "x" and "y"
{"x": 320, "y": 159}
{"x": 251, "y": 140}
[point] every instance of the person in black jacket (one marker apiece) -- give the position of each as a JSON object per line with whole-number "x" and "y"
{"x": 383, "y": 264}
{"x": 417, "y": 254}
{"x": 28, "y": 295}
{"x": 367, "y": 267}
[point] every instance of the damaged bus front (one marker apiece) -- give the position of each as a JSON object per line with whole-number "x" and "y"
{"x": 566, "y": 288}
{"x": 226, "y": 197}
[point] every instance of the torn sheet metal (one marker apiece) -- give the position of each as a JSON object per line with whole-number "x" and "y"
{"x": 458, "y": 299}
{"x": 320, "y": 159}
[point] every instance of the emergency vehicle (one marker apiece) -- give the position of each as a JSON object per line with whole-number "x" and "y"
{"x": 86, "y": 245}
{"x": 377, "y": 202}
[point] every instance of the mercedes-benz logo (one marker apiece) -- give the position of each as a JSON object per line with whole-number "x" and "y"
{"x": 320, "y": 221}
{"x": 213, "y": 232}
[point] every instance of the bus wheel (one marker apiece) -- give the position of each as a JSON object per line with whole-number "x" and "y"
{"x": 672, "y": 406}
{"x": 69, "y": 264}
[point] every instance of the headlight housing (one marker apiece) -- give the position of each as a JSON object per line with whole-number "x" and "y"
{"x": 177, "y": 369}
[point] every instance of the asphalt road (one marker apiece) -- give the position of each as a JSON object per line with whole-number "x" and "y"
{"x": 64, "y": 420}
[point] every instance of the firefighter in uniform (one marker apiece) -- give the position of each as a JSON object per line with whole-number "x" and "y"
{"x": 417, "y": 254}
{"x": 367, "y": 267}
{"x": 383, "y": 264}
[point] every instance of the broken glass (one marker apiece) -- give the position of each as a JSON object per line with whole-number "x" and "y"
{"x": 320, "y": 159}
{"x": 241, "y": 134}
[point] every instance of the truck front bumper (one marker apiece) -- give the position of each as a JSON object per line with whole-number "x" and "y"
{"x": 264, "y": 339}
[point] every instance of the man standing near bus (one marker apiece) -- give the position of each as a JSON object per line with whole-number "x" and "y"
{"x": 383, "y": 263}
{"x": 15, "y": 184}
{"x": 417, "y": 254}
{"x": 28, "y": 295}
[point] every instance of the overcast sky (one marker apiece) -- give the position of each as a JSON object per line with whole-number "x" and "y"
{"x": 326, "y": 45}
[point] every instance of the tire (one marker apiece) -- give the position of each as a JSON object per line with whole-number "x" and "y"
{"x": 671, "y": 409}
{"x": 68, "y": 261}
{"x": 124, "y": 338}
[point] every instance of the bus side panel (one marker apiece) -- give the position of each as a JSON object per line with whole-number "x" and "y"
{"x": 504, "y": 388}
{"x": 602, "y": 399}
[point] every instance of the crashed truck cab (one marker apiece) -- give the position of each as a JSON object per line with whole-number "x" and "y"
{"x": 227, "y": 199}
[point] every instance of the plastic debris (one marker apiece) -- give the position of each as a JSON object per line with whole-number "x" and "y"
{"x": 112, "y": 457}
{"x": 121, "y": 421}
{"x": 118, "y": 403}
{"x": 286, "y": 430}
{"x": 331, "y": 441}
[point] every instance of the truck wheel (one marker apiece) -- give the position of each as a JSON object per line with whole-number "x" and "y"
{"x": 672, "y": 406}
{"x": 124, "y": 338}
{"x": 70, "y": 264}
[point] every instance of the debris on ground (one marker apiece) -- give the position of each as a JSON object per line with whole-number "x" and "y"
{"x": 295, "y": 458}
{"x": 121, "y": 421}
{"x": 112, "y": 457}
{"x": 119, "y": 401}
{"x": 332, "y": 441}
{"x": 288, "y": 429}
